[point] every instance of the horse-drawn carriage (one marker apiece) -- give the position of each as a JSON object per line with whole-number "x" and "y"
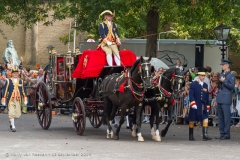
{"x": 72, "y": 82}
{"x": 91, "y": 89}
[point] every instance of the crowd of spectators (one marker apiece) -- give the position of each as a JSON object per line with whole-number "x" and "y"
{"x": 212, "y": 80}
{"x": 31, "y": 78}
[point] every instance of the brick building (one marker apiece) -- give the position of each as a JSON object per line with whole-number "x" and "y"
{"x": 32, "y": 43}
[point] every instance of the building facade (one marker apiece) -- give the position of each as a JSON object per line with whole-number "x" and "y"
{"x": 31, "y": 44}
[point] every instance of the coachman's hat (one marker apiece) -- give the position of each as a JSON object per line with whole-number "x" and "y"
{"x": 106, "y": 12}
{"x": 15, "y": 69}
{"x": 225, "y": 61}
{"x": 201, "y": 71}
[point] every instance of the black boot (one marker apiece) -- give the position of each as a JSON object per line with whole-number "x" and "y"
{"x": 191, "y": 138}
{"x": 205, "y": 136}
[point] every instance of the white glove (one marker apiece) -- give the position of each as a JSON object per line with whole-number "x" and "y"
{"x": 109, "y": 43}
{"x": 194, "y": 106}
{"x": 25, "y": 100}
{"x": 3, "y": 101}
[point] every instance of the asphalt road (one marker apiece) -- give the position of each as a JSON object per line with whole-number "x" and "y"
{"x": 61, "y": 142}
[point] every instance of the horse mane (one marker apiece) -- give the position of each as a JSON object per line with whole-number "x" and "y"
{"x": 170, "y": 70}
{"x": 168, "y": 73}
{"x": 134, "y": 66}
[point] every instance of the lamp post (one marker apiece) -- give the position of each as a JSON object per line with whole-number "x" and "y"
{"x": 159, "y": 37}
{"x": 50, "y": 48}
{"x": 221, "y": 32}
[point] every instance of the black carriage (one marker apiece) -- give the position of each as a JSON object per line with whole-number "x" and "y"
{"x": 60, "y": 90}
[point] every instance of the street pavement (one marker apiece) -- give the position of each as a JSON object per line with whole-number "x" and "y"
{"x": 60, "y": 141}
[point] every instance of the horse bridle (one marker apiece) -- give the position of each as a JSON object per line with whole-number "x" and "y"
{"x": 172, "y": 80}
{"x": 147, "y": 68}
{"x": 180, "y": 81}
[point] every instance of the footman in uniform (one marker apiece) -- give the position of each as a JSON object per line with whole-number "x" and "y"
{"x": 13, "y": 91}
{"x": 224, "y": 100}
{"x": 109, "y": 38}
{"x": 199, "y": 105}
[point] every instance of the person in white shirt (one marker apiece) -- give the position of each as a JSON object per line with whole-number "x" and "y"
{"x": 179, "y": 65}
{"x": 40, "y": 78}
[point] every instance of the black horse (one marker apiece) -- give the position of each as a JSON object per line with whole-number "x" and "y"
{"x": 124, "y": 91}
{"x": 165, "y": 90}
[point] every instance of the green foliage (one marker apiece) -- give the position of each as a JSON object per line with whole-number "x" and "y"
{"x": 190, "y": 19}
{"x": 68, "y": 38}
{"x": 26, "y": 12}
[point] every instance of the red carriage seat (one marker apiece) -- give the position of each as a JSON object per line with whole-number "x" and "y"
{"x": 91, "y": 63}
{"x": 127, "y": 57}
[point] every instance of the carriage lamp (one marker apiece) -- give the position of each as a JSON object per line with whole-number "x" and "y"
{"x": 77, "y": 51}
{"x": 221, "y": 32}
{"x": 54, "y": 51}
{"x": 69, "y": 63}
{"x": 50, "y": 48}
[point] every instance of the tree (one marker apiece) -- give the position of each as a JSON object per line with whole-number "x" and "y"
{"x": 199, "y": 18}
{"x": 190, "y": 19}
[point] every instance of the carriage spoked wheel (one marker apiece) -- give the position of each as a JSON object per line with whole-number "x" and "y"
{"x": 43, "y": 106}
{"x": 78, "y": 116}
{"x": 95, "y": 118}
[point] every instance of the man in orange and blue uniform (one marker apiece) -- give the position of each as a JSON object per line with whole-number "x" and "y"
{"x": 109, "y": 38}
{"x": 13, "y": 92}
{"x": 199, "y": 105}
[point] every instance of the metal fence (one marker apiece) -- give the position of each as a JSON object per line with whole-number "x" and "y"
{"x": 180, "y": 111}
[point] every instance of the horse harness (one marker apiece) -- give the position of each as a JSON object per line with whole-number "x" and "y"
{"x": 138, "y": 95}
{"x": 163, "y": 94}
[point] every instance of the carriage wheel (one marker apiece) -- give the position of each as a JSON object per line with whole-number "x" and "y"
{"x": 43, "y": 106}
{"x": 78, "y": 116}
{"x": 95, "y": 118}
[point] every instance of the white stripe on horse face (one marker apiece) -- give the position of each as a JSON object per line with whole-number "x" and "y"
{"x": 147, "y": 71}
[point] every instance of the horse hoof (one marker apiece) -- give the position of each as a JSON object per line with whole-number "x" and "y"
{"x": 163, "y": 133}
{"x": 134, "y": 134}
{"x": 116, "y": 137}
{"x": 140, "y": 139}
{"x": 112, "y": 135}
{"x": 153, "y": 137}
{"x": 108, "y": 136}
{"x": 158, "y": 138}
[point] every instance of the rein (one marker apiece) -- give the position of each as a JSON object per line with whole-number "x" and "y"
{"x": 156, "y": 80}
{"x": 137, "y": 95}
{"x": 161, "y": 89}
